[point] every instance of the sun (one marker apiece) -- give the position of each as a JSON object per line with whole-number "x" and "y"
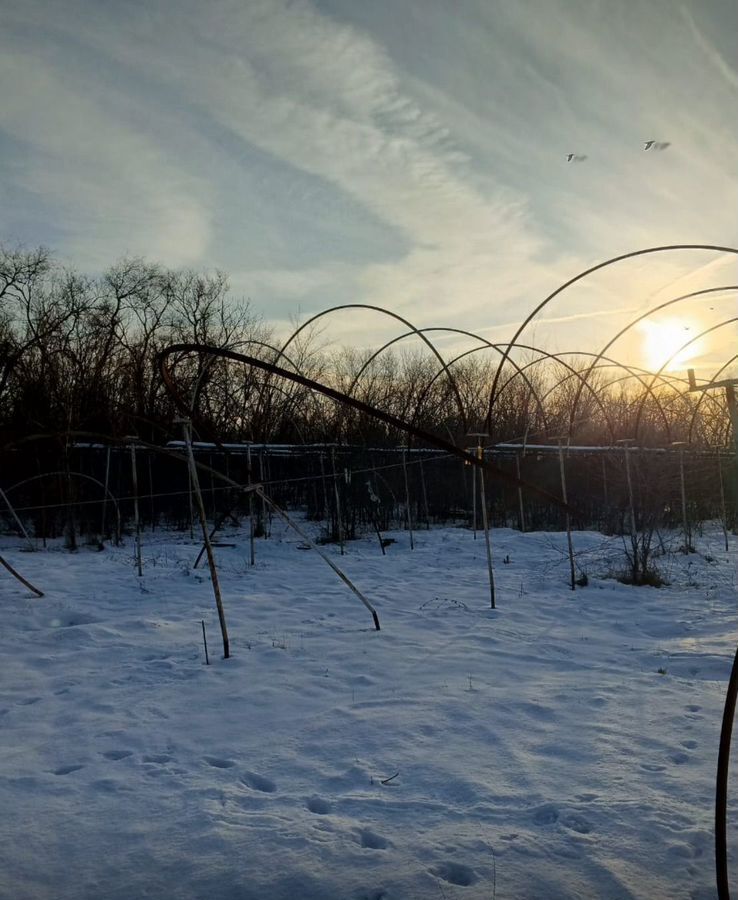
{"x": 662, "y": 342}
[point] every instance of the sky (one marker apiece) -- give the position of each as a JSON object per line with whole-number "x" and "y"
{"x": 410, "y": 155}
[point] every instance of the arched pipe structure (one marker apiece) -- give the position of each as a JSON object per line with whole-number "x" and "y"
{"x": 387, "y": 418}
{"x": 683, "y": 348}
{"x": 237, "y": 345}
{"x": 486, "y": 345}
{"x": 386, "y": 312}
{"x": 691, "y": 295}
{"x": 111, "y": 496}
{"x": 704, "y": 394}
{"x": 715, "y": 248}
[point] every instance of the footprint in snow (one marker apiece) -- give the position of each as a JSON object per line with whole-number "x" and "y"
{"x": 259, "y": 783}
{"x": 319, "y": 806}
{"x": 217, "y": 762}
{"x": 455, "y": 873}
{"x": 67, "y": 770}
{"x": 371, "y": 840}
{"x": 117, "y": 754}
{"x": 576, "y": 823}
{"x": 546, "y": 815}
{"x": 158, "y": 758}
{"x": 690, "y": 745}
{"x": 679, "y": 758}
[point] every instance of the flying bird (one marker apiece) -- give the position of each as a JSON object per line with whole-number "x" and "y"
{"x": 656, "y": 145}
{"x": 573, "y": 157}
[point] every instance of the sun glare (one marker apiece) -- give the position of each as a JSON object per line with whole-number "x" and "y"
{"x": 662, "y": 341}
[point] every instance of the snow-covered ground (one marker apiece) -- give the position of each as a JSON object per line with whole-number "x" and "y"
{"x": 561, "y": 746}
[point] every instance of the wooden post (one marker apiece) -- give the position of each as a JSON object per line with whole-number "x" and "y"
{"x": 206, "y": 536}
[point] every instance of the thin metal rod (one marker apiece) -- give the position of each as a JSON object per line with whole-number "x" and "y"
{"x": 724, "y": 518}
{"x": 520, "y": 493}
{"x": 685, "y": 523}
{"x": 344, "y": 578}
{"x": 35, "y": 590}
{"x": 17, "y": 520}
{"x": 137, "y": 521}
{"x": 485, "y": 525}
{"x": 105, "y": 495}
{"x": 562, "y": 469}
{"x": 407, "y": 499}
{"x": 252, "y": 542}
{"x": 339, "y": 524}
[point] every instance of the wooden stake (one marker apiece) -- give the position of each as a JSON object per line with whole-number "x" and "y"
{"x": 206, "y": 536}
{"x": 205, "y": 642}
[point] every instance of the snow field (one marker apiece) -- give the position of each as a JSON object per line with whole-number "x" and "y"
{"x": 563, "y": 745}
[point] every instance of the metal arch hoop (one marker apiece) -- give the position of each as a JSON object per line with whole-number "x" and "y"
{"x": 608, "y": 262}
{"x": 386, "y": 312}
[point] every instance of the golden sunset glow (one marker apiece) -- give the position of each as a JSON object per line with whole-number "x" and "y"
{"x": 662, "y": 340}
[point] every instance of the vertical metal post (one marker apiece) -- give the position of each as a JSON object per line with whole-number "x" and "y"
{"x": 136, "y": 519}
{"x": 631, "y": 504}
{"x": 105, "y": 494}
{"x": 723, "y": 510}
{"x": 604, "y": 482}
{"x": 263, "y": 501}
{"x": 151, "y": 493}
{"x": 339, "y": 524}
{"x": 425, "y": 493}
{"x": 407, "y": 498}
{"x": 520, "y": 493}
{"x": 685, "y": 522}
{"x": 474, "y": 502}
{"x": 562, "y": 469}
{"x": 485, "y": 525}
{"x": 252, "y": 552}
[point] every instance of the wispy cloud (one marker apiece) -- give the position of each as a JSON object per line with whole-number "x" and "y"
{"x": 321, "y": 160}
